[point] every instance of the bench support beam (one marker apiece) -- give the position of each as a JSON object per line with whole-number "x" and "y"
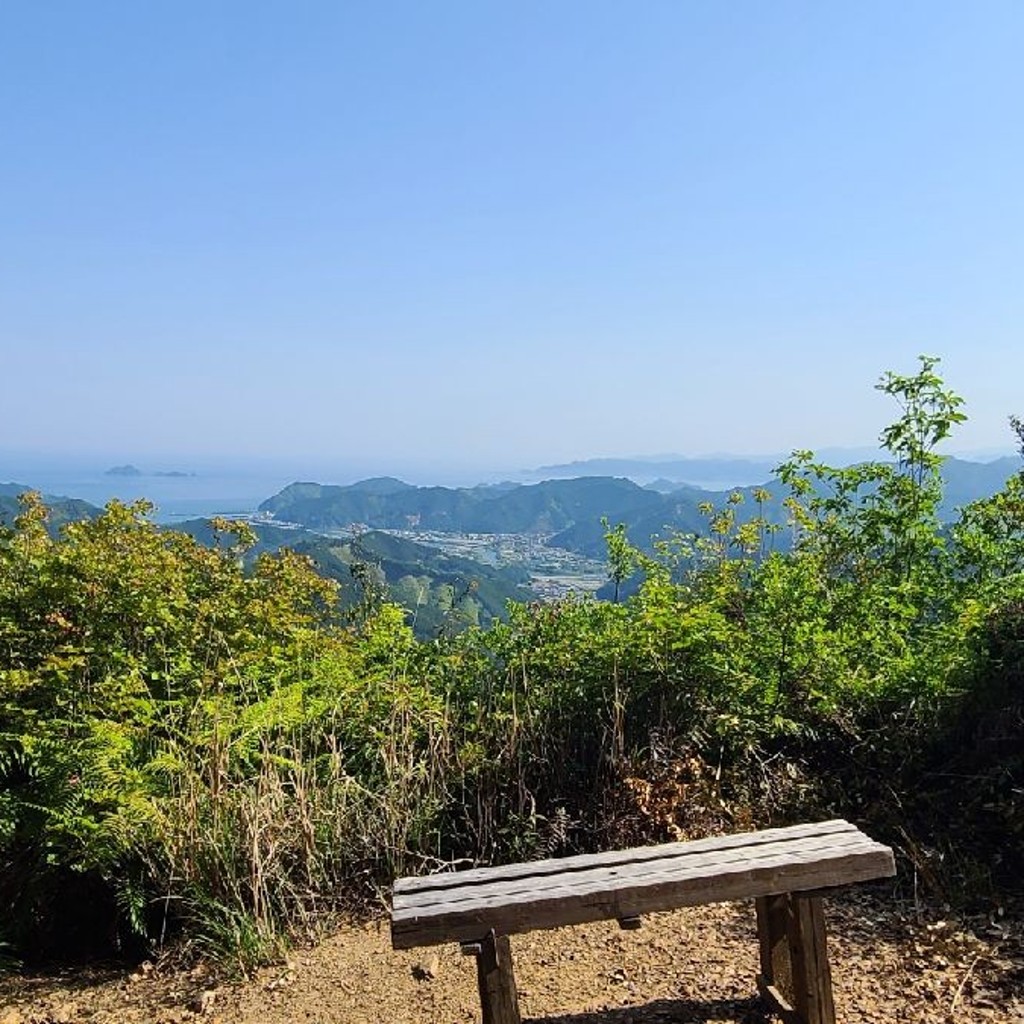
{"x": 499, "y": 1000}
{"x": 795, "y": 975}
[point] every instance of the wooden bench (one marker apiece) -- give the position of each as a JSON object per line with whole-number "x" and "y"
{"x": 784, "y": 869}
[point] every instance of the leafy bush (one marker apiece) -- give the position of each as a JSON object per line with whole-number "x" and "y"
{"x": 191, "y": 747}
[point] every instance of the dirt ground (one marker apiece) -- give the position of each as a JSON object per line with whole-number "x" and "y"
{"x": 693, "y": 965}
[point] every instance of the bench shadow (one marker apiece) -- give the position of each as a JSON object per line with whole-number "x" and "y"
{"x": 671, "y": 1011}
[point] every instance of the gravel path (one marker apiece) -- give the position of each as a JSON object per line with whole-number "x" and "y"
{"x": 693, "y": 965}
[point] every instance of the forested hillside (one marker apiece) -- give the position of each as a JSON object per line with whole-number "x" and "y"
{"x": 193, "y": 747}
{"x": 440, "y": 593}
{"x": 572, "y": 510}
{"x": 538, "y": 508}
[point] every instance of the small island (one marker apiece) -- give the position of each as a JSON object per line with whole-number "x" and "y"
{"x": 128, "y": 470}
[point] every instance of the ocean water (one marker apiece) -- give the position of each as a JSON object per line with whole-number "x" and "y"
{"x": 175, "y": 497}
{"x": 222, "y": 486}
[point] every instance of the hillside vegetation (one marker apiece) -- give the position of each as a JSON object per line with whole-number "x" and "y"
{"x": 538, "y": 508}
{"x": 190, "y": 747}
{"x": 440, "y": 593}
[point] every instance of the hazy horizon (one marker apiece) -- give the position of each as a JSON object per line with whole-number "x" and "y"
{"x": 206, "y": 466}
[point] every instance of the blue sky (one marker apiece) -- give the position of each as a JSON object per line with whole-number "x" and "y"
{"x": 497, "y": 235}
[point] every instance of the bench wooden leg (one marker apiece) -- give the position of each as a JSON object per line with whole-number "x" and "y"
{"x": 795, "y": 975}
{"x": 495, "y": 980}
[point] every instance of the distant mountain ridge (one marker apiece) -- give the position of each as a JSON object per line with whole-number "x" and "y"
{"x": 727, "y": 470}
{"x": 570, "y": 510}
{"x": 546, "y": 507}
{"x": 713, "y": 472}
{"x": 62, "y": 509}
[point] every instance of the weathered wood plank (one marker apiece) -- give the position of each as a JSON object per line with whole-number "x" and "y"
{"x": 584, "y": 862}
{"x": 496, "y": 981}
{"x": 652, "y": 865}
{"x": 795, "y": 975}
{"x": 773, "y": 942}
{"x": 603, "y": 899}
{"x": 812, "y": 976}
{"x": 604, "y": 877}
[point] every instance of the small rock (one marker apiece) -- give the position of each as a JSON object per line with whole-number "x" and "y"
{"x": 204, "y": 1004}
{"x": 427, "y": 971}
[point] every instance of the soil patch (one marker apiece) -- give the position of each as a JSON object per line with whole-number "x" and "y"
{"x": 694, "y": 965}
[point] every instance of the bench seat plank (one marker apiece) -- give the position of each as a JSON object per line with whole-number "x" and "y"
{"x": 635, "y": 882}
{"x": 585, "y": 861}
{"x": 604, "y": 878}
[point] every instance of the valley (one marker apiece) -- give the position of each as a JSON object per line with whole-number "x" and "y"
{"x": 554, "y": 572}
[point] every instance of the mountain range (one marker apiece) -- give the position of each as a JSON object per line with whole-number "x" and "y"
{"x": 386, "y": 503}
{"x": 568, "y": 511}
{"x": 443, "y": 591}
